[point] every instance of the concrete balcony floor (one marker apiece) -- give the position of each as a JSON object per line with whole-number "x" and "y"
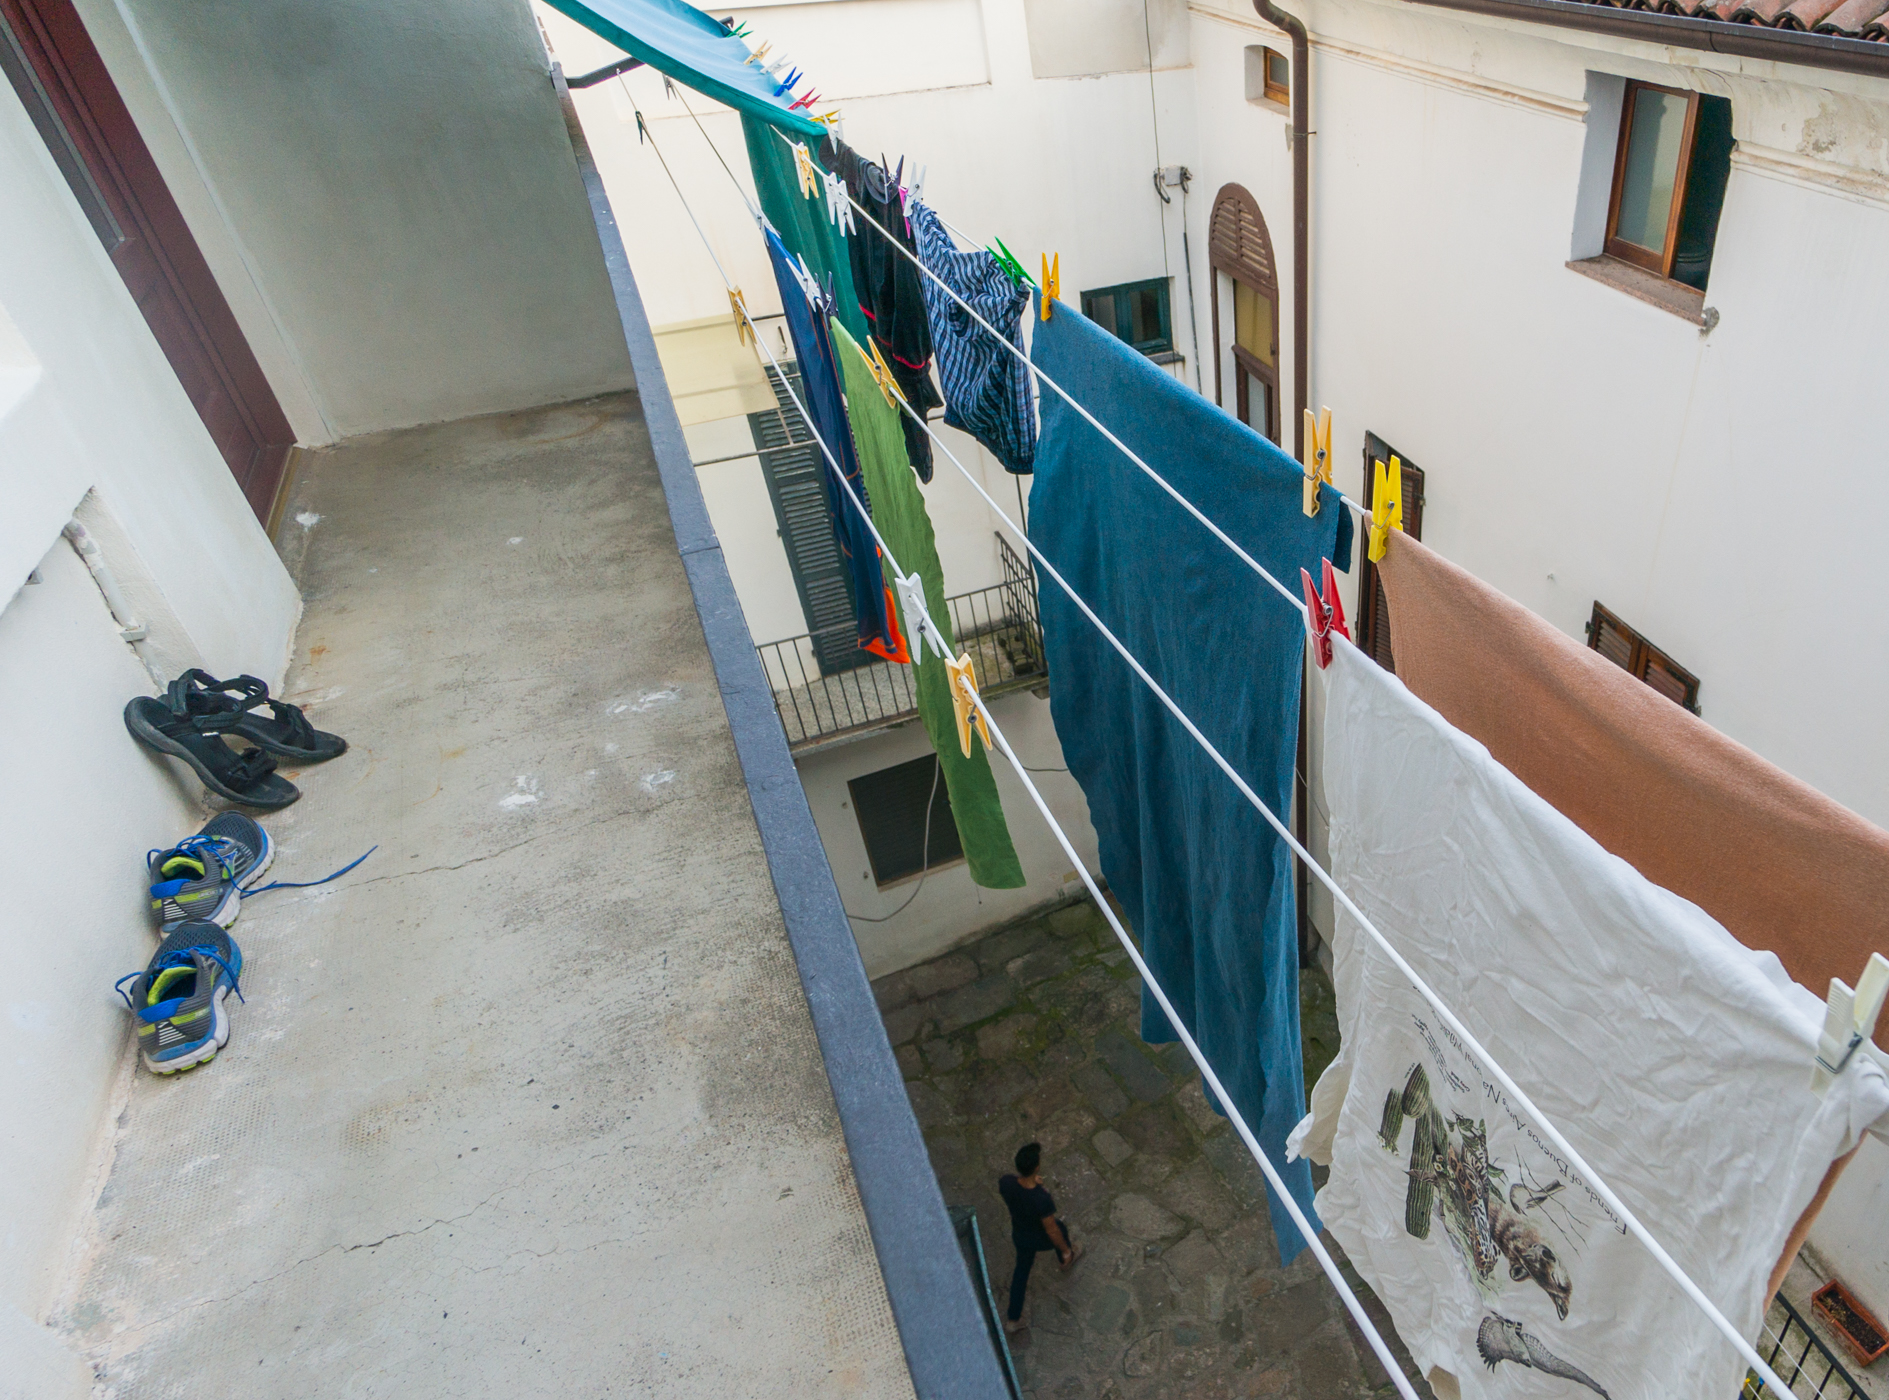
{"x": 1033, "y": 1034}
{"x": 529, "y": 1104}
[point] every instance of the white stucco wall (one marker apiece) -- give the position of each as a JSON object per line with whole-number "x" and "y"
{"x": 387, "y": 196}
{"x": 92, "y": 420}
{"x": 949, "y": 908}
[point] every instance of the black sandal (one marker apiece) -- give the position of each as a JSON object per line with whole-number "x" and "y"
{"x": 229, "y": 707}
{"x": 248, "y": 777}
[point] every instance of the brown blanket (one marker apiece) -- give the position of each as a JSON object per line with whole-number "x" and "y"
{"x": 1780, "y": 865}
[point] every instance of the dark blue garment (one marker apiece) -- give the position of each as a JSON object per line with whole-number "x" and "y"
{"x": 1206, "y": 883}
{"x": 826, "y": 406}
{"x": 986, "y": 388}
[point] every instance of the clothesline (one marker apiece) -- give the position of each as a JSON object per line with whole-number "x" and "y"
{"x": 1266, "y": 1166}
{"x": 1522, "y": 1100}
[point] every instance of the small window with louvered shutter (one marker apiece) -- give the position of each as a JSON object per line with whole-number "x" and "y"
{"x": 1374, "y": 615}
{"x": 905, "y": 817}
{"x": 1632, "y": 653}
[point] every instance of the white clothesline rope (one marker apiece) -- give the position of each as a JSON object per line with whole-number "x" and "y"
{"x": 1522, "y": 1100}
{"x": 1352, "y": 1305}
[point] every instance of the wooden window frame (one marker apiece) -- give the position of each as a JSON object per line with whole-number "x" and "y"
{"x": 1274, "y": 92}
{"x": 1641, "y": 655}
{"x": 1659, "y": 263}
{"x": 1252, "y": 367}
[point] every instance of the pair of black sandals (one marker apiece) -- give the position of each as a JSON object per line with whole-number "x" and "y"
{"x": 197, "y": 716}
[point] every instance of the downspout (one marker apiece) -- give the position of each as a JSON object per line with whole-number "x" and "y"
{"x": 1301, "y": 339}
{"x": 1301, "y": 210}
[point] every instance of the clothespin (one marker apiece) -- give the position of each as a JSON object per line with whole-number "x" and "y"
{"x": 829, "y": 120}
{"x": 1324, "y": 614}
{"x": 1317, "y": 455}
{"x": 838, "y": 207}
{"x": 805, "y": 170}
{"x": 740, "y": 31}
{"x": 963, "y": 682}
{"x": 668, "y": 87}
{"x": 788, "y": 83}
{"x": 1849, "y": 1022}
{"x": 881, "y": 373}
{"x": 1387, "y": 506}
{"x": 1007, "y": 260}
{"x": 911, "y": 194}
{"x": 640, "y": 129}
{"x": 759, "y": 54}
{"x": 807, "y": 101}
{"x": 744, "y": 328}
{"x": 911, "y": 593}
{"x": 1052, "y": 281}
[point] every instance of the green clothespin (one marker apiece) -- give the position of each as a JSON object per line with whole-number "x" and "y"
{"x": 1008, "y": 262}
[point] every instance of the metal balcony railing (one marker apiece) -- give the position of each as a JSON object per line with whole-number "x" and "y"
{"x": 999, "y": 626}
{"x": 1801, "y": 1359}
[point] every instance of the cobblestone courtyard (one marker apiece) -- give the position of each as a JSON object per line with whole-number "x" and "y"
{"x": 1032, "y": 1033}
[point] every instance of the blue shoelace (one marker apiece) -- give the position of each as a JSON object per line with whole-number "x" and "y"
{"x": 220, "y": 851}
{"x": 179, "y": 957}
{"x": 310, "y": 884}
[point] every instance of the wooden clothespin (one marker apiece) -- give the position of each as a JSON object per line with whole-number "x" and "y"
{"x": 881, "y": 372}
{"x": 1387, "y": 506}
{"x": 806, "y": 171}
{"x": 1052, "y": 281}
{"x": 963, "y": 681}
{"x": 1849, "y": 1022}
{"x": 911, "y": 591}
{"x": 744, "y": 328}
{"x": 1317, "y": 456}
{"x": 1324, "y": 614}
{"x": 760, "y": 55}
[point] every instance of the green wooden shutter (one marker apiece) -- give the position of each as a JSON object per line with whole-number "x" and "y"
{"x": 795, "y": 487}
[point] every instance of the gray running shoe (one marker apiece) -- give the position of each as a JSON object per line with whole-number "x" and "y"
{"x": 204, "y": 876}
{"x": 179, "y": 999}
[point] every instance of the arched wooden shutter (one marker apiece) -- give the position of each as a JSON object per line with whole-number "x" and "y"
{"x": 1238, "y": 243}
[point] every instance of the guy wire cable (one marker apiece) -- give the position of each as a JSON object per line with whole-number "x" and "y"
{"x": 1352, "y": 1305}
{"x": 1579, "y": 1163}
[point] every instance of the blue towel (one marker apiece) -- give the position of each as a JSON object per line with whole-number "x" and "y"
{"x": 986, "y": 388}
{"x": 1206, "y": 883}
{"x": 825, "y": 405}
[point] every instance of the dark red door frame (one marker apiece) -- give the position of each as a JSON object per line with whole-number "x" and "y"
{"x": 74, "y": 103}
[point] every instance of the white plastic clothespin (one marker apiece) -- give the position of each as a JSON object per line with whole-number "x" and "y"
{"x": 915, "y": 191}
{"x": 911, "y": 591}
{"x": 838, "y": 208}
{"x": 1849, "y": 1023}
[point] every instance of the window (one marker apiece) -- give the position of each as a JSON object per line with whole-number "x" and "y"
{"x": 1268, "y": 75}
{"x": 1670, "y": 171}
{"x": 1239, "y": 247}
{"x": 1137, "y": 312}
{"x": 1374, "y": 620}
{"x": 892, "y": 807}
{"x": 1638, "y": 657}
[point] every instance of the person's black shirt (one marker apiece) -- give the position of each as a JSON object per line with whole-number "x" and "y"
{"x": 1028, "y": 1205}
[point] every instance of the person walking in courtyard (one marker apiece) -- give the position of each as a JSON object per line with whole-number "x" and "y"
{"x": 1034, "y": 1226}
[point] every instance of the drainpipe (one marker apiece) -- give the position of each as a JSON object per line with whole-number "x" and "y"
{"x": 1301, "y": 210}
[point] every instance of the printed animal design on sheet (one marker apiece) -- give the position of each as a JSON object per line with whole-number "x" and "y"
{"x": 1501, "y": 1339}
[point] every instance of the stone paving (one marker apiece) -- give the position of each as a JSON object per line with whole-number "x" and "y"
{"x": 1032, "y": 1034}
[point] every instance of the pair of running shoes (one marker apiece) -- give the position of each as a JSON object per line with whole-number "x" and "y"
{"x": 180, "y": 1000}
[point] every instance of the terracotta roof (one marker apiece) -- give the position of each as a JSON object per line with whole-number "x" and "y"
{"x": 1848, "y": 19}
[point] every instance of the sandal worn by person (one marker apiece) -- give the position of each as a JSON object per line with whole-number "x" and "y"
{"x": 231, "y": 707}
{"x": 249, "y": 778}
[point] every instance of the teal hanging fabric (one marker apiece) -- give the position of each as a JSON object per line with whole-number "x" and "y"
{"x": 695, "y": 50}
{"x": 802, "y": 221}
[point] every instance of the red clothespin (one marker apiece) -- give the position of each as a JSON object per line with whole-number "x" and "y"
{"x": 1324, "y": 614}
{"x": 807, "y": 101}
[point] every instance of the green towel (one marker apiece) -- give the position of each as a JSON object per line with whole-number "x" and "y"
{"x": 801, "y": 222}
{"x": 898, "y": 509}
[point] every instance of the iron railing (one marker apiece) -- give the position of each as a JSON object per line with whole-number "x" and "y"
{"x": 999, "y": 627}
{"x": 1801, "y": 1359}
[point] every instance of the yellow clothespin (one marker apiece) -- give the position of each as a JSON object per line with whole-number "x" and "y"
{"x": 1317, "y": 455}
{"x": 744, "y": 328}
{"x": 963, "y": 681}
{"x": 881, "y": 373}
{"x": 829, "y": 120}
{"x": 1387, "y": 505}
{"x": 759, "y": 54}
{"x": 1052, "y": 281}
{"x": 804, "y": 168}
